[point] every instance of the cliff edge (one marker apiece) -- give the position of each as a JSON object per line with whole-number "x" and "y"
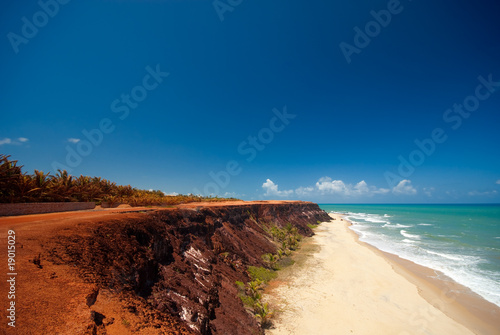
{"x": 155, "y": 271}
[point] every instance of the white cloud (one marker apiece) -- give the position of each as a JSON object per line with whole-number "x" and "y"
{"x": 498, "y": 181}
{"x": 404, "y": 187}
{"x": 428, "y": 191}
{"x": 326, "y": 185}
{"x": 304, "y": 191}
{"x": 18, "y": 141}
{"x": 73, "y": 140}
{"x": 171, "y": 193}
{"x": 5, "y": 141}
{"x": 272, "y": 189}
{"x": 382, "y": 191}
{"x": 362, "y": 187}
{"x": 486, "y": 193}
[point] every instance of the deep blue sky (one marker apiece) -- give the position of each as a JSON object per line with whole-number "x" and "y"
{"x": 352, "y": 120}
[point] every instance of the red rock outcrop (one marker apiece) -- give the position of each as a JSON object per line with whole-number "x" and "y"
{"x": 180, "y": 264}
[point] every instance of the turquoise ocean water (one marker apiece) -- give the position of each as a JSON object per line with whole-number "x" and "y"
{"x": 461, "y": 241}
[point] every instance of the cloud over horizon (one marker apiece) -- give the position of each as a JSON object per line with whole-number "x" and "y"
{"x": 328, "y": 186}
{"x": 404, "y": 187}
{"x": 485, "y": 193}
{"x": 428, "y": 191}
{"x": 272, "y": 189}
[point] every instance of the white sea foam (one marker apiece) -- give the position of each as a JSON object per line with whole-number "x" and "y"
{"x": 397, "y": 225}
{"x": 409, "y": 241}
{"x": 374, "y": 218}
{"x": 425, "y": 224}
{"x": 461, "y": 268}
{"x": 448, "y": 256}
{"x": 407, "y": 235}
{"x": 402, "y": 226}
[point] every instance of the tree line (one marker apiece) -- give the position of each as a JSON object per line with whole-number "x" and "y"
{"x": 17, "y": 186}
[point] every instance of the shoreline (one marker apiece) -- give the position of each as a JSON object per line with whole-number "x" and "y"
{"x": 343, "y": 285}
{"x": 455, "y": 300}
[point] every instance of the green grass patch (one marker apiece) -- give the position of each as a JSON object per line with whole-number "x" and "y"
{"x": 261, "y": 273}
{"x": 284, "y": 262}
{"x": 240, "y": 285}
{"x": 248, "y": 301}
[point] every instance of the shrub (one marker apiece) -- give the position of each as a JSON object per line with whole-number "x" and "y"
{"x": 248, "y": 301}
{"x": 250, "y": 294}
{"x": 264, "y": 314}
{"x": 271, "y": 260}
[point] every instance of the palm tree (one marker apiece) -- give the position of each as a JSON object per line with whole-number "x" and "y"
{"x": 253, "y": 289}
{"x": 41, "y": 186}
{"x": 292, "y": 242}
{"x": 264, "y": 314}
{"x": 281, "y": 253}
{"x": 271, "y": 260}
{"x": 62, "y": 185}
{"x": 9, "y": 176}
{"x": 290, "y": 230}
{"x": 64, "y": 178}
{"x": 23, "y": 187}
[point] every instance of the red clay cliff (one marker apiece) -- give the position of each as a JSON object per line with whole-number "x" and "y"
{"x": 145, "y": 271}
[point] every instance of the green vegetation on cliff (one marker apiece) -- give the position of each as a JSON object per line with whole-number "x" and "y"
{"x": 286, "y": 239}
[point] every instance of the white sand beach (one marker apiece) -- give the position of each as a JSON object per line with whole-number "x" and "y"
{"x": 345, "y": 287}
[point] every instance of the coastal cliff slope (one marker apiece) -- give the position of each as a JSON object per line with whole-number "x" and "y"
{"x": 162, "y": 271}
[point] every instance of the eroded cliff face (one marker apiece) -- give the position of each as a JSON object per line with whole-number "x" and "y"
{"x": 181, "y": 263}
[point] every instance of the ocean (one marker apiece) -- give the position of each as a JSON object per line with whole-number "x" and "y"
{"x": 461, "y": 241}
